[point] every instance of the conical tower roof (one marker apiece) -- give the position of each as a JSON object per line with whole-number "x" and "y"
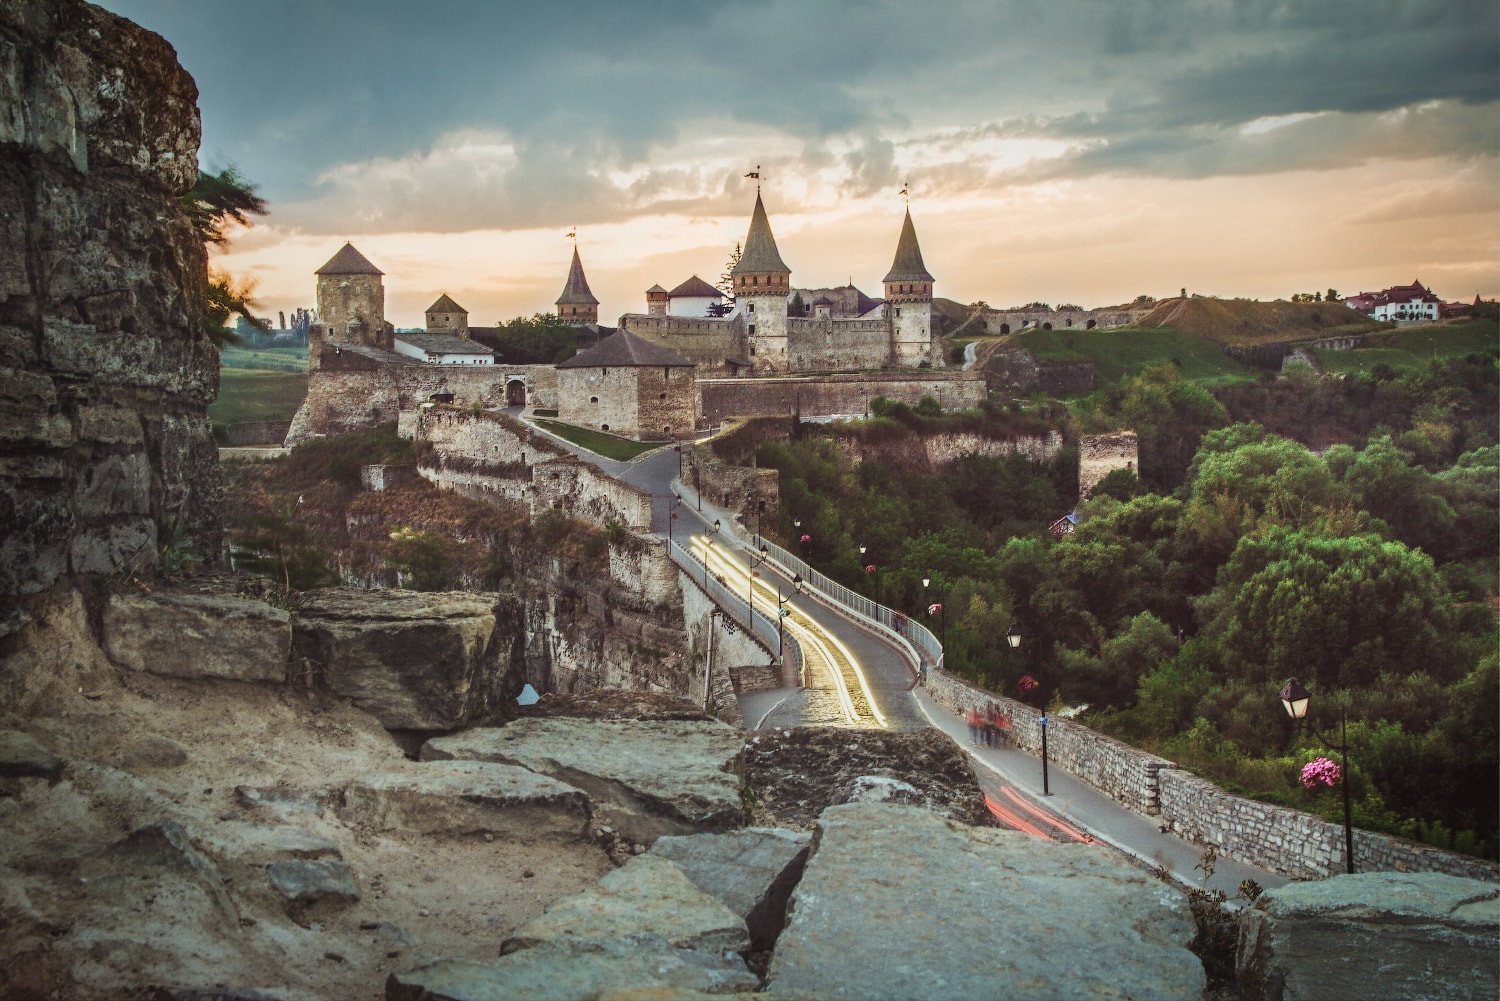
{"x": 445, "y": 304}
{"x": 576, "y": 291}
{"x": 760, "y": 254}
{"x": 908, "y": 266}
{"x": 348, "y": 261}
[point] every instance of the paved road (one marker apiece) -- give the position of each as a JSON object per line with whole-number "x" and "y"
{"x": 1011, "y": 779}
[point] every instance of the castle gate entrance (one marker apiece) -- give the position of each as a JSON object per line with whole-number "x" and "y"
{"x": 515, "y": 393}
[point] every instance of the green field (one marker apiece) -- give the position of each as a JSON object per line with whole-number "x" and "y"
{"x": 608, "y": 445}
{"x": 247, "y": 395}
{"x": 1414, "y": 346}
{"x": 264, "y": 359}
{"x": 1123, "y": 352}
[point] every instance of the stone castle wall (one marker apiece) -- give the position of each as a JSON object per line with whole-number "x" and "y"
{"x": 719, "y": 399}
{"x": 706, "y": 342}
{"x": 105, "y": 372}
{"x": 998, "y": 321}
{"x": 1016, "y": 370}
{"x": 837, "y": 344}
{"x": 349, "y": 391}
{"x": 589, "y": 494}
{"x": 1101, "y": 454}
{"x": 1295, "y": 844}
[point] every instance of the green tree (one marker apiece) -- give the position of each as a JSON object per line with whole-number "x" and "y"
{"x": 421, "y": 557}
{"x": 1406, "y": 497}
{"x": 279, "y": 546}
{"x": 1169, "y": 415}
{"x": 1338, "y": 612}
{"x": 541, "y": 339}
{"x": 214, "y": 201}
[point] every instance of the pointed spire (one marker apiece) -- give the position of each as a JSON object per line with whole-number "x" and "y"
{"x": 576, "y": 291}
{"x": 908, "y": 266}
{"x": 760, "y": 255}
{"x": 348, "y": 261}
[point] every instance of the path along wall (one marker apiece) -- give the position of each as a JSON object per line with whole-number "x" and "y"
{"x": 1295, "y": 844}
{"x": 824, "y": 396}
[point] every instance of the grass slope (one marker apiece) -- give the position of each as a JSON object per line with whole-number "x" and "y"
{"x": 1122, "y": 352}
{"x": 264, "y": 359}
{"x": 247, "y": 395}
{"x": 608, "y": 445}
{"x": 1246, "y": 321}
{"x": 1415, "y": 346}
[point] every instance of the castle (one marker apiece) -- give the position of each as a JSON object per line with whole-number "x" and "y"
{"x": 362, "y": 371}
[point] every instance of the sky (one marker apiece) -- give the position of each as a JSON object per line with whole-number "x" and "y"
{"x": 1064, "y": 151}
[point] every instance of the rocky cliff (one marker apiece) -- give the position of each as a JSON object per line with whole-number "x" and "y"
{"x": 105, "y": 373}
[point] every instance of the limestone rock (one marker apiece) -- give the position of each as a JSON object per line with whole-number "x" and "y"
{"x": 646, "y": 779}
{"x": 1372, "y": 935}
{"x": 466, "y": 797}
{"x": 312, "y": 881}
{"x": 898, "y": 902}
{"x": 23, "y": 757}
{"x": 797, "y": 773}
{"x": 185, "y": 635}
{"x": 751, "y": 871}
{"x": 648, "y": 895}
{"x": 640, "y": 968}
{"x": 419, "y": 661}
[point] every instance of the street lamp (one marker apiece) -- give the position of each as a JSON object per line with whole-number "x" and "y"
{"x": 781, "y": 613}
{"x": 750, "y": 593}
{"x": 1295, "y": 698}
{"x": 671, "y": 517}
{"x": 1044, "y": 721}
{"x": 1013, "y": 637}
{"x": 942, "y": 614}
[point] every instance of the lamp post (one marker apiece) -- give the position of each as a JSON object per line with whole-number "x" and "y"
{"x": 750, "y": 593}
{"x": 1295, "y": 698}
{"x": 942, "y": 618}
{"x": 781, "y": 613}
{"x": 671, "y": 517}
{"x": 1044, "y": 721}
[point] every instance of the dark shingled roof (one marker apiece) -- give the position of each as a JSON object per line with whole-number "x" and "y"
{"x": 624, "y": 350}
{"x": 908, "y": 266}
{"x": 760, "y": 254}
{"x": 657, "y": 290}
{"x": 576, "y": 291}
{"x": 697, "y": 288}
{"x": 446, "y": 305}
{"x": 348, "y": 261}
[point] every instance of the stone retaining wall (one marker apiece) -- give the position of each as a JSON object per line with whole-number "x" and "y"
{"x": 1295, "y": 844}
{"x": 822, "y": 396}
{"x": 256, "y": 433}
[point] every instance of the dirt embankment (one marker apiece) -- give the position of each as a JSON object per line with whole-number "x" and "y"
{"x": 1246, "y": 321}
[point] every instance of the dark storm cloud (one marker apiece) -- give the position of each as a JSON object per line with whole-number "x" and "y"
{"x": 345, "y": 112}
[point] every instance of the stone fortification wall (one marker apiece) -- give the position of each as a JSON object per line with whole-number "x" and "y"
{"x": 485, "y": 455}
{"x": 105, "y": 373}
{"x": 1295, "y": 844}
{"x": 256, "y": 432}
{"x": 827, "y": 343}
{"x": 998, "y": 321}
{"x": 1101, "y": 454}
{"x": 719, "y": 399}
{"x": 747, "y": 491}
{"x": 350, "y": 391}
{"x": 733, "y": 649}
{"x": 740, "y": 441}
{"x": 936, "y": 451}
{"x": 587, "y": 493}
{"x": 378, "y": 478}
{"x": 706, "y": 342}
{"x": 1016, "y": 370}
{"x": 644, "y": 566}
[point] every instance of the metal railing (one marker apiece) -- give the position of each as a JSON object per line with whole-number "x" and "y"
{"x": 918, "y": 635}
{"x": 735, "y": 602}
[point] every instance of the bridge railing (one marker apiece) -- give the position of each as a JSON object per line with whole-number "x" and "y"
{"x": 918, "y": 635}
{"x": 761, "y": 625}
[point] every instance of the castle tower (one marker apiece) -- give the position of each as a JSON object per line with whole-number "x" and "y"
{"x": 908, "y": 296}
{"x": 351, "y": 302}
{"x": 762, "y": 282}
{"x": 447, "y": 317}
{"x": 657, "y": 299}
{"x": 577, "y": 304}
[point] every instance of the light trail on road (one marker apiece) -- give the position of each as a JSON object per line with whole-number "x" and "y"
{"x": 823, "y": 653}
{"x": 1031, "y": 819}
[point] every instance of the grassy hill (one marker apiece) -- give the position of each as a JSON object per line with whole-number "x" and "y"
{"x": 1246, "y": 321}
{"x": 250, "y": 395}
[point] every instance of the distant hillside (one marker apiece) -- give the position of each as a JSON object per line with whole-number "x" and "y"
{"x": 1243, "y": 321}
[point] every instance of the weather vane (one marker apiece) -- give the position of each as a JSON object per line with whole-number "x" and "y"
{"x": 573, "y": 235}
{"x": 906, "y": 192}
{"x": 755, "y": 174}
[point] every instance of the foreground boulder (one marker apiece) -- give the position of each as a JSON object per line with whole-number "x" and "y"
{"x": 467, "y": 797}
{"x": 899, "y": 903}
{"x": 649, "y": 896}
{"x": 646, "y": 779}
{"x": 752, "y": 872}
{"x": 643, "y": 967}
{"x": 1373, "y": 935}
{"x": 413, "y": 660}
{"x": 192, "y": 635}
